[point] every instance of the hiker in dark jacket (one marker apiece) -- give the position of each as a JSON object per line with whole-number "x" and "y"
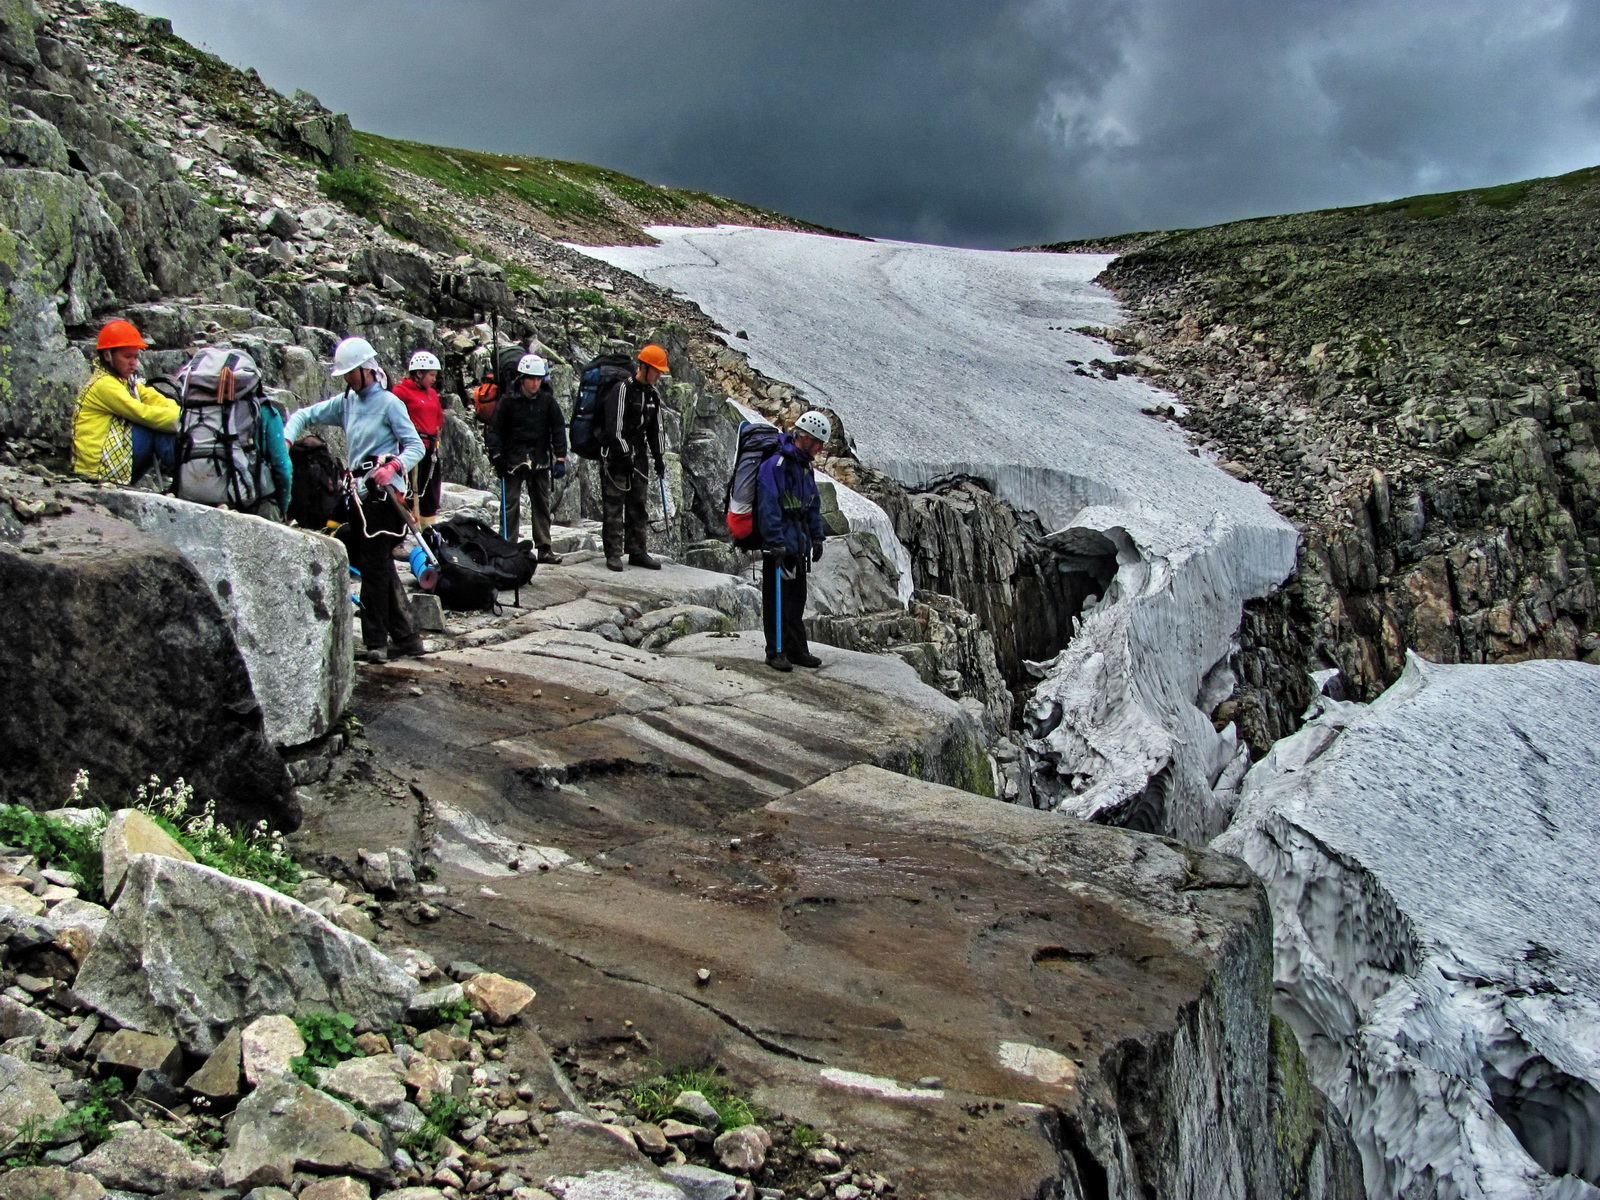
{"x": 789, "y": 518}
{"x": 630, "y": 431}
{"x": 527, "y": 442}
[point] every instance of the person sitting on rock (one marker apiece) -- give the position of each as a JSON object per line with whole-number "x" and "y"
{"x": 630, "y": 431}
{"x": 789, "y": 519}
{"x": 383, "y": 446}
{"x": 120, "y": 426}
{"x": 422, "y": 403}
{"x": 527, "y": 442}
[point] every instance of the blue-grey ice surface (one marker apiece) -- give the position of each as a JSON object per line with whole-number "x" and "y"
{"x": 1433, "y": 865}
{"x": 945, "y": 362}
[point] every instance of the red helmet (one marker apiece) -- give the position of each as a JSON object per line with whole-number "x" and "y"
{"x": 119, "y": 334}
{"x": 654, "y": 356}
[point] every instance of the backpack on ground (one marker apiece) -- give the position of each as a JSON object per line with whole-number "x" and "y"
{"x": 758, "y": 441}
{"x": 219, "y": 457}
{"x": 475, "y": 563}
{"x": 496, "y": 382}
{"x": 316, "y": 494}
{"x": 593, "y": 382}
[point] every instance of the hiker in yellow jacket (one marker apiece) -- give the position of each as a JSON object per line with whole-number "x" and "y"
{"x": 121, "y": 427}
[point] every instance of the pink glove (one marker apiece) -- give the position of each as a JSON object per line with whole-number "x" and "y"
{"x": 384, "y": 473}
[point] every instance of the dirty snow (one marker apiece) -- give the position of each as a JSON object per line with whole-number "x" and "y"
{"x": 1431, "y": 864}
{"x": 945, "y": 362}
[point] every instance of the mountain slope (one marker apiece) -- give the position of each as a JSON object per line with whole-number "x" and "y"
{"x": 1414, "y": 381}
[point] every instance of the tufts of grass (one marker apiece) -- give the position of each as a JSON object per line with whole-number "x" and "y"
{"x": 356, "y": 188}
{"x": 653, "y": 1099}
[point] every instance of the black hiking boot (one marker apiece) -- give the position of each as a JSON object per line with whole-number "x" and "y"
{"x": 369, "y": 655}
{"x": 645, "y": 561}
{"x": 778, "y": 662}
{"x": 550, "y": 557}
{"x": 614, "y": 564}
{"x": 412, "y": 647}
{"x": 804, "y": 658}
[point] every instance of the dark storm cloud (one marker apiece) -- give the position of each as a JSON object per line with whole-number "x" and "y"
{"x": 977, "y": 122}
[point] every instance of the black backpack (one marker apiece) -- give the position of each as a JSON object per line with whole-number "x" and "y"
{"x": 475, "y": 563}
{"x": 593, "y": 381}
{"x": 315, "y": 496}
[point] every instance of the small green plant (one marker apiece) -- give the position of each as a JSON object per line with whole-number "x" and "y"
{"x": 56, "y": 844}
{"x": 520, "y": 279}
{"x": 329, "y": 1038}
{"x": 804, "y": 1136}
{"x": 653, "y": 1099}
{"x": 454, "y": 1011}
{"x": 358, "y": 189}
{"x": 89, "y": 1123}
{"x": 255, "y": 852}
{"x": 444, "y": 1115}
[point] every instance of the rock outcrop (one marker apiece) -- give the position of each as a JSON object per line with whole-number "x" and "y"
{"x": 118, "y": 660}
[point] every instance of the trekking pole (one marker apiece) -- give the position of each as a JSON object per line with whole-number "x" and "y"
{"x": 777, "y": 598}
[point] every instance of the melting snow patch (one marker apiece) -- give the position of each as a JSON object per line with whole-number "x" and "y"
{"x": 945, "y": 363}
{"x": 878, "y": 1085}
{"x": 1044, "y": 1065}
{"x": 1430, "y": 862}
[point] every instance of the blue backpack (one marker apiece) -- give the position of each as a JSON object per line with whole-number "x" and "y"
{"x": 593, "y": 381}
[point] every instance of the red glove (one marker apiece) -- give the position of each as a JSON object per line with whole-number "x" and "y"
{"x": 384, "y": 473}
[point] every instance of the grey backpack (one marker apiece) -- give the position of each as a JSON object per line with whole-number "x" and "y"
{"x": 219, "y": 457}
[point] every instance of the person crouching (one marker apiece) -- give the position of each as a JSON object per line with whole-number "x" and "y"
{"x": 527, "y": 442}
{"x": 121, "y": 427}
{"x": 383, "y": 446}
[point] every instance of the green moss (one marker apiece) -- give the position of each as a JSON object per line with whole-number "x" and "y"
{"x": 1297, "y": 1106}
{"x": 356, "y": 188}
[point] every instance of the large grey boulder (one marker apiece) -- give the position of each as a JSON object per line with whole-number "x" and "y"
{"x": 852, "y": 578}
{"x": 190, "y": 953}
{"x": 283, "y": 593}
{"x": 146, "y": 1161}
{"x": 25, "y": 1095}
{"x": 116, "y": 658}
{"x": 284, "y": 1125}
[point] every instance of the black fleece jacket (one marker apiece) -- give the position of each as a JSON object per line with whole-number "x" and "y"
{"x": 526, "y": 429}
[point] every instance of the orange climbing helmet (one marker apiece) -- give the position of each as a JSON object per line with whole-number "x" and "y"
{"x": 654, "y": 356}
{"x": 119, "y": 335}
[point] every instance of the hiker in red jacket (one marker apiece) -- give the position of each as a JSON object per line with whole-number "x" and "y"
{"x": 416, "y": 390}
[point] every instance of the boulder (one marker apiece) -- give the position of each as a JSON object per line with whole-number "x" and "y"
{"x": 283, "y": 594}
{"x": 376, "y": 1083}
{"x": 22, "y": 1020}
{"x": 25, "y": 1095}
{"x": 702, "y": 1183}
{"x": 50, "y": 1183}
{"x": 192, "y": 952}
{"x": 284, "y": 1125}
{"x": 219, "y": 1078}
{"x": 267, "y": 1046}
{"x": 20, "y": 898}
{"x": 143, "y": 1160}
{"x": 78, "y": 924}
{"x": 131, "y": 832}
{"x": 175, "y": 699}
{"x": 696, "y": 1103}
{"x": 128, "y": 1052}
{"x": 852, "y": 579}
{"x": 743, "y": 1149}
{"x": 340, "y": 1188}
{"x": 499, "y": 999}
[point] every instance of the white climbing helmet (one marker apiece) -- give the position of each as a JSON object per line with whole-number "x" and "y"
{"x": 816, "y": 424}
{"x": 351, "y": 353}
{"x": 533, "y": 365}
{"x": 423, "y": 361}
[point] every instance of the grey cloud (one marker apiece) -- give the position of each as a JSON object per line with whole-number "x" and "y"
{"x": 988, "y": 124}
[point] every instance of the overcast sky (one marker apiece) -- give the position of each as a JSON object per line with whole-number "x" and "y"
{"x": 968, "y": 122}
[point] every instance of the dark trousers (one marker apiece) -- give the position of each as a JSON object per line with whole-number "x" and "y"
{"x": 149, "y": 449}
{"x": 537, "y": 485}
{"x": 624, "y": 515}
{"x": 794, "y": 606}
{"x": 427, "y": 480}
{"x": 370, "y": 535}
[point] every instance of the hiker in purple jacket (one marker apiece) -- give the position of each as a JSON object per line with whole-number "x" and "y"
{"x": 789, "y": 518}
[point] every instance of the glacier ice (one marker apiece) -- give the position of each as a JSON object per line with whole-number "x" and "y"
{"x": 1431, "y": 864}
{"x": 946, "y": 362}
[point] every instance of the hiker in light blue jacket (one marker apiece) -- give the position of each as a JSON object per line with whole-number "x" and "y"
{"x": 383, "y": 446}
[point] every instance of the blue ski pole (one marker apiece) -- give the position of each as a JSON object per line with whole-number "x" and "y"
{"x": 777, "y": 596}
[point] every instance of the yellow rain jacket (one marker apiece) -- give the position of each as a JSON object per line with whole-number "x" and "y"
{"x": 102, "y": 424}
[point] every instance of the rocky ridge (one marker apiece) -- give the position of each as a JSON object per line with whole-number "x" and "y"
{"x": 1413, "y": 382}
